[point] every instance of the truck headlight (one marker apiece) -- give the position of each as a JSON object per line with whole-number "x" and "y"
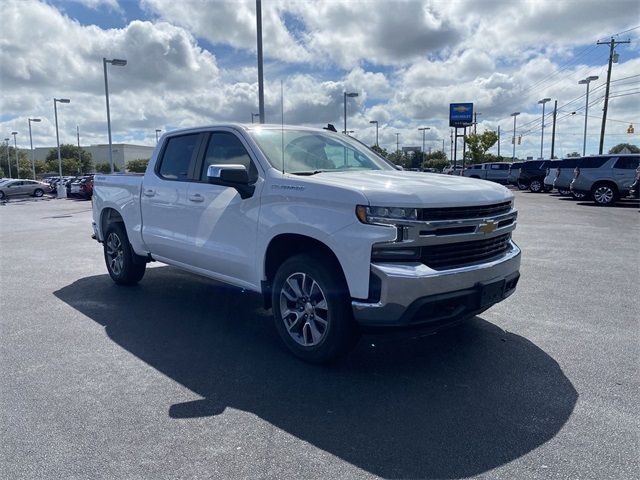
{"x": 385, "y": 215}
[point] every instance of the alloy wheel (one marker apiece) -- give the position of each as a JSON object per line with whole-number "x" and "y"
{"x": 304, "y": 309}
{"x": 603, "y": 195}
{"x": 115, "y": 253}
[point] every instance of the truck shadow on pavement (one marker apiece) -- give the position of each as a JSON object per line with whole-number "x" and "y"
{"x": 446, "y": 406}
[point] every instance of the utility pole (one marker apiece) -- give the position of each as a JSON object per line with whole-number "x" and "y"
{"x": 475, "y": 121}
{"x": 498, "y": 141}
{"x": 260, "y": 73}
{"x": 79, "y": 157}
{"x": 451, "y": 144}
{"x": 612, "y": 45}
{"x": 397, "y": 143}
{"x": 553, "y": 130}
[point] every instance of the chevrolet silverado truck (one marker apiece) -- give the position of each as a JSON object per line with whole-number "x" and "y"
{"x": 335, "y": 239}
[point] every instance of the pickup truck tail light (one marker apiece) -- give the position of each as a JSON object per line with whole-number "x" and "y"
{"x": 576, "y": 172}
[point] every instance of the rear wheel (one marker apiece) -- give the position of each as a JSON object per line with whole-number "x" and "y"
{"x": 123, "y": 265}
{"x": 311, "y": 309}
{"x": 2, "y": 195}
{"x": 604, "y": 194}
{"x": 522, "y": 185}
{"x": 535, "y": 185}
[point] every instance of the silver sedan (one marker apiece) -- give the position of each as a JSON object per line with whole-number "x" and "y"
{"x": 23, "y": 187}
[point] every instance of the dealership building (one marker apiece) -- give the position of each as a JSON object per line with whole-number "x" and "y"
{"x": 122, "y": 153}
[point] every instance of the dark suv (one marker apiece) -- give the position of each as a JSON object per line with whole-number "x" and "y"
{"x": 532, "y": 175}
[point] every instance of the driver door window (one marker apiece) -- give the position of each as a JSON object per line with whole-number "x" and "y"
{"x": 226, "y": 149}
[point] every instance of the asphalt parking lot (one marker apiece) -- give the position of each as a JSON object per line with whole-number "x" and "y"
{"x": 180, "y": 377}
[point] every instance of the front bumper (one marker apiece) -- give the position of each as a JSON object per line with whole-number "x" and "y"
{"x": 416, "y": 295}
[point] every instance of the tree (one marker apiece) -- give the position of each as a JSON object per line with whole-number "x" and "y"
{"x": 22, "y": 157}
{"x": 380, "y": 151}
{"x": 479, "y": 143}
{"x": 105, "y": 168}
{"x": 621, "y": 146}
{"x": 573, "y": 154}
{"x": 139, "y": 165}
{"x": 84, "y": 164}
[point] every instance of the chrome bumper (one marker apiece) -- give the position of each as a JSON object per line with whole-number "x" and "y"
{"x": 410, "y": 289}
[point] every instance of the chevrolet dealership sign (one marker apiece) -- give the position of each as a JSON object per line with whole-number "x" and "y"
{"x": 460, "y": 114}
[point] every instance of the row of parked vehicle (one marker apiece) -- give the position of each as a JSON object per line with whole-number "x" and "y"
{"x": 76, "y": 186}
{"x": 605, "y": 179}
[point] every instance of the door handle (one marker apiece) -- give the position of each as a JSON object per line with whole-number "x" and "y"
{"x": 196, "y": 198}
{"x": 149, "y": 193}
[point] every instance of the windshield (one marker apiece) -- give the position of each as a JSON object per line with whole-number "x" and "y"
{"x": 307, "y": 152}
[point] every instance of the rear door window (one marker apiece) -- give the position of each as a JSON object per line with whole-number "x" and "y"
{"x": 593, "y": 162}
{"x": 177, "y": 157}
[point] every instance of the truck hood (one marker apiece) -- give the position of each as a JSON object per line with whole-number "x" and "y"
{"x": 415, "y": 189}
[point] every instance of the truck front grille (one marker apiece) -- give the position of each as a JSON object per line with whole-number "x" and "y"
{"x": 456, "y": 213}
{"x": 460, "y": 254}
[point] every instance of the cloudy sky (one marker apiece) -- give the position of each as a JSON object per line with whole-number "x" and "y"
{"x": 193, "y": 62}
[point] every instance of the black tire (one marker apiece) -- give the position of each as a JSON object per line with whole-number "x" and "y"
{"x": 2, "y": 195}
{"x": 38, "y": 192}
{"x": 604, "y": 194}
{"x": 338, "y": 334}
{"x": 522, "y": 185}
{"x": 123, "y": 265}
{"x": 562, "y": 191}
{"x": 535, "y": 186}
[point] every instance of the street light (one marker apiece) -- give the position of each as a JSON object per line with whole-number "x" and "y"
{"x": 397, "y": 143}
{"x": 586, "y": 82}
{"x": 62, "y": 191}
{"x": 423, "y": 131}
{"x": 33, "y": 160}
{"x": 254, "y": 115}
{"x": 8, "y": 161}
{"x": 347, "y": 94}
{"x": 117, "y": 62}
{"x": 514, "y": 115}
{"x": 543, "y": 102}
{"x": 157, "y": 132}
{"x": 376, "y": 122}
{"x": 15, "y": 150}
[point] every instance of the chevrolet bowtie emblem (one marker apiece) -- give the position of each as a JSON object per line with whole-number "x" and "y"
{"x": 488, "y": 227}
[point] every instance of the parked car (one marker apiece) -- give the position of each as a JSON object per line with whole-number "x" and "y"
{"x": 333, "y": 245}
{"x": 605, "y": 178}
{"x": 82, "y": 187}
{"x": 453, "y": 170}
{"x": 551, "y": 174}
{"x": 23, "y": 187}
{"x": 496, "y": 171}
{"x": 634, "y": 192}
{"x": 532, "y": 173}
{"x": 564, "y": 177}
{"x": 514, "y": 173}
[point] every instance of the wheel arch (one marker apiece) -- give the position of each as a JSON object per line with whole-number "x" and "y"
{"x": 286, "y": 245}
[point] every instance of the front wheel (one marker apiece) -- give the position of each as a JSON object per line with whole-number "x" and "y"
{"x": 38, "y": 192}
{"x": 562, "y": 191}
{"x": 578, "y": 195}
{"x": 123, "y": 265}
{"x": 311, "y": 309}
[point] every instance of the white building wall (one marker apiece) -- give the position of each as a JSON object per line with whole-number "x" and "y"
{"x": 122, "y": 153}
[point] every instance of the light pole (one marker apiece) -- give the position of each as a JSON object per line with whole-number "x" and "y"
{"x": 347, "y": 94}
{"x": 514, "y": 115}
{"x": 8, "y": 161}
{"x": 15, "y": 151}
{"x": 397, "y": 143}
{"x": 61, "y": 189}
{"x": 543, "y": 102}
{"x": 254, "y": 115}
{"x": 586, "y": 82}
{"x": 424, "y": 129}
{"x": 118, "y": 63}
{"x": 376, "y": 122}
{"x": 157, "y": 132}
{"x": 33, "y": 159}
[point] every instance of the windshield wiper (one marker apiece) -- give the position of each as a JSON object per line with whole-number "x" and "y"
{"x": 307, "y": 173}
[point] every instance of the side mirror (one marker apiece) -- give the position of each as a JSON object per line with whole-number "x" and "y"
{"x": 234, "y": 176}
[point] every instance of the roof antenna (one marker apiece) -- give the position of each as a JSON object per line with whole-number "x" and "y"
{"x": 282, "y": 121}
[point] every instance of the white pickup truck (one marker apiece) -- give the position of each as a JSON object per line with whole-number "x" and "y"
{"x": 335, "y": 238}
